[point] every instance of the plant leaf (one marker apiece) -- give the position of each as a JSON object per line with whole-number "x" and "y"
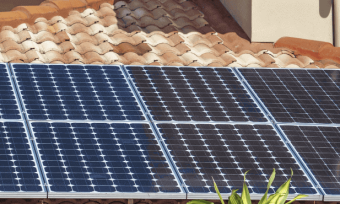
{"x": 281, "y": 194}
{"x": 245, "y": 192}
{"x": 218, "y": 192}
{"x": 271, "y": 179}
{"x": 199, "y": 202}
{"x": 297, "y": 197}
{"x": 234, "y": 198}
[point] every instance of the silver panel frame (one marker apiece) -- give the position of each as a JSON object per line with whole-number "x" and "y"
{"x": 23, "y": 195}
{"x": 331, "y": 198}
{"x": 117, "y": 195}
{"x": 253, "y": 196}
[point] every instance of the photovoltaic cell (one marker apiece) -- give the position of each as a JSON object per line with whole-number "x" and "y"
{"x": 194, "y": 94}
{"x": 297, "y": 95}
{"x": 103, "y": 157}
{"x": 75, "y": 92}
{"x": 8, "y": 105}
{"x": 226, "y": 152}
{"x": 18, "y": 170}
{"x": 319, "y": 147}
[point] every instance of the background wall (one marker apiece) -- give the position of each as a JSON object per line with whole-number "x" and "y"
{"x": 268, "y": 20}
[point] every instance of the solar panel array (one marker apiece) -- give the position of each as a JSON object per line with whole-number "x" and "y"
{"x": 305, "y": 104}
{"x": 108, "y": 131}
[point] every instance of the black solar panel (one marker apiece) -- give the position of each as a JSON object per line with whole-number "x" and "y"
{"x": 18, "y": 171}
{"x": 8, "y": 105}
{"x": 75, "y": 92}
{"x": 194, "y": 94}
{"x": 319, "y": 147}
{"x": 103, "y": 157}
{"x": 297, "y": 95}
{"x": 226, "y": 152}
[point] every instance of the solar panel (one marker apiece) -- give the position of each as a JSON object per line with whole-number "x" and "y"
{"x": 297, "y": 95}
{"x": 319, "y": 147}
{"x": 8, "y": 104}
{"x": 19, "y": 176}
{"x": 116, "y": 160}
{"x": 225, "y": 152}
{"x": 76, "y": 92}
{"x": 194, "y": 94}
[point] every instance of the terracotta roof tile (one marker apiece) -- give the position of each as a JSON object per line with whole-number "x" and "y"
{"x": 163, "y": 32}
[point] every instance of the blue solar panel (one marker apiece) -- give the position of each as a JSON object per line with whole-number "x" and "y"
{"x": 75, "y": 92}
{"x": 225, "y": 152}
{"x": 319, "y": 147}
{"x": 297, "y": 95}
{"x": 18, "y": 170}
{"x": 103, "y": 157}
{"x": 8, "y": 104}
{"x": 194, "y": 94}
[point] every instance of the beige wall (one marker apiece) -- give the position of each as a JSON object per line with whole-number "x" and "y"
{"x": 269, "y": 20}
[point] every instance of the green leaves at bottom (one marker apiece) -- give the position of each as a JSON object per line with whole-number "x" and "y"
{"x": 199, "y": 202}
{"x": 234, "y": 198}
{"x": 218, "y": 192}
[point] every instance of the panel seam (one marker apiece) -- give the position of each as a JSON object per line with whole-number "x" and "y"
{"x": 156, "y": 132}
{"x": 29, "y": 132}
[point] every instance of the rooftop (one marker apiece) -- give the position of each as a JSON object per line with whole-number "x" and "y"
{"x": 144, "y": 32}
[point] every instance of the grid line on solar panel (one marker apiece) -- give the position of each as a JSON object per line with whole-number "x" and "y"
{"x": 225, "y": 152}
{"x": 297, "y": 95}
{"x": 103, "y": 157}
{"x": 318, "y": 146}
{"x": 9, "y": 108}
{"x": 76, "y": 92}
{"x": 18, "y": 171}
{"x": 194, "y": 94}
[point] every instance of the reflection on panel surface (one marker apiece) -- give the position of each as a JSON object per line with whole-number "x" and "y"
{"x": 75, "y": 92}
{"x": 226, "y": 152}
{"x": 103, "y": 157}
{"x": 319, "y": 147}
{"x": 194, "y": 94}
{"x": 18, "y": 172}
{"x": 297, "y": 95}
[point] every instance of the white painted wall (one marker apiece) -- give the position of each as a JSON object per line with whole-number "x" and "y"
{"x": 269, "y": 20}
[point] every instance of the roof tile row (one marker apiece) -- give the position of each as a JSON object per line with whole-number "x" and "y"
{"x": 162, "y": 32}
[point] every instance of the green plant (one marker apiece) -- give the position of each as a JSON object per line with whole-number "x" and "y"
{"x": 279, "y": 197}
